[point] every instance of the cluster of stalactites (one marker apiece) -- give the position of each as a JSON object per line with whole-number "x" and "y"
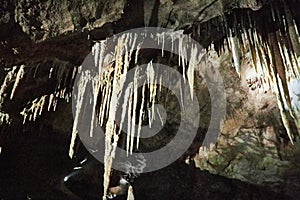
{"x": 13, "y": 76}
{"x": 110, "y": 83}
{"x": 275, "y": 52}
{"x": 35, "y": 107}
{"x": 116, "y": 95}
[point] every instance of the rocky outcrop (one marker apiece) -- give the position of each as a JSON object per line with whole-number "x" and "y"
{"x": 253, "y": 145}
{"x": 178, "y": 14}
{"x": 45, "y": 19}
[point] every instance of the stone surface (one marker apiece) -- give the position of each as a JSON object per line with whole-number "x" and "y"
{"x": 45, "y": 19}
{"x": 253, "y": 146}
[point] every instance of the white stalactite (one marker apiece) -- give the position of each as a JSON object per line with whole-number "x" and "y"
{"x": 110, "y": 132}
{"x": 50, "y": 72}
{"x": 130, "y": 195}
{"x": 8, "y": 79}
{"x": 4, "y": 118}
{"x": 81, "y": 92}
{"x": 134, "y": 111}
{"x": 34, "y": 110}
{"x": 141, "y": 116}
{"x": 95, "y": 86}
{"x": 235, "y": 54}
{"x": 19, "y": 76}
{"x": 191, "y": 69}
{"x": 129, "y": 124}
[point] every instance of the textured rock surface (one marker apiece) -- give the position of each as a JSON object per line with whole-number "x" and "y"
{"x": 177, "y": 14}
{"x": 44, "y": 19}
{"x": 253, "y": 146}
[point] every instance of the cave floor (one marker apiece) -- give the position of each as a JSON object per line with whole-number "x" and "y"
{"x": 32, "y": 166}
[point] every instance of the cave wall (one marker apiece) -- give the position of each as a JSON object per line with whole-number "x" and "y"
{"x": 49, "y": 34}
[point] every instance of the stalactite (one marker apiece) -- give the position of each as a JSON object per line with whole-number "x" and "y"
{"x": 273, "y": 54}
{"x": 293, "y": 39}
{"x": 243, "y": 38}
{"x": 120, "y": 71}
{"x": 50, "y": 72}
{"x": 160, "y": 117}
{"x": 111, "y": 86}
{"x": 280, "y": 84}
{"x": 130, "y": 195}
{"x": 105, "y": 102}
{"x": 8, "y": 79}
{"x": 4, "y": 118}
{"x": 182, "y": 55}
{"x": 152, "y": 90}
{"x": 272, "y": 13}
{"x": 124, "y": 106}
{"x": 34, "y": 110}
{"x": 141, "y": 113}
{"x": 283, "y": 112}
{"x": 190, "y": 71}
{"x": 129, "y": 113}
{"x": 95, "y": 87}
{"x": 134, "y": 111}
{"x": 252, "y": 47}
{"x": 51, "y": 97}
{"x": 226, "y": 30}
{"x": 281, "y": 70}
{"x": 235, "y": 53}
{"x": 79, "y": 100}
{"x": 19, "y": 76}
{"x": 163, "y": 44}
{"x": 137, "y": 53}
{"x": 181, "y": 95}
